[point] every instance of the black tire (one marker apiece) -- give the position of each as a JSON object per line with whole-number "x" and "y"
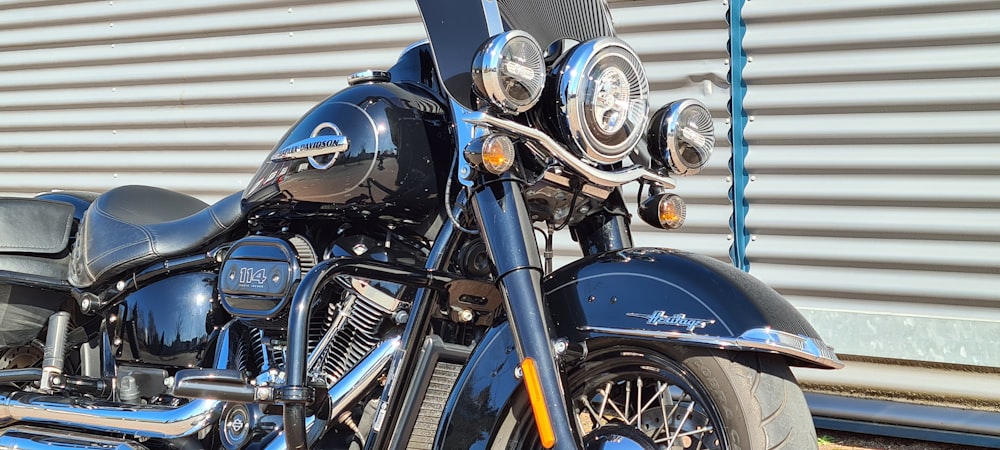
{"x": 752, "y": 397}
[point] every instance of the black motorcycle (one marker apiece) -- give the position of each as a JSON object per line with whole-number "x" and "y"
{"x": 379, "y": 283}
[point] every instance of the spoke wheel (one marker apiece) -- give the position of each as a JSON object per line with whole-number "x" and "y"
{"x": 647, "y": 392}
{"x": 676, "y": 399}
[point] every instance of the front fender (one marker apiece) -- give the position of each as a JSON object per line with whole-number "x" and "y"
{"x": 653, "y": 293}
{"x": 618, "y": 294}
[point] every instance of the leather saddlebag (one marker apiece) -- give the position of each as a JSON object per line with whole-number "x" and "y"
{"x": 34, "y": 259}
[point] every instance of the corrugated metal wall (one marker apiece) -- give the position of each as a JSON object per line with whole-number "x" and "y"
{"x": 875, "y": 156}
{"x": 191, "y": 97}
{"x": 874, "y": 140}
{"x": 183, "y": 94}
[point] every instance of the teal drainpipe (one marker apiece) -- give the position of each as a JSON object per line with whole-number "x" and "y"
{"x": 737, "y": 91}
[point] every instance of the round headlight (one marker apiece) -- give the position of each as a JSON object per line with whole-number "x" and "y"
{"x": 509, "y": 71}
{"x": 682, "y": 136}
{"x": 603, "y": 98}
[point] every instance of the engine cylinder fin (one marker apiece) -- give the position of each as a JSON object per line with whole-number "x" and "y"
{"x": 359, "y": 335}
{"x": 254, "y": 338}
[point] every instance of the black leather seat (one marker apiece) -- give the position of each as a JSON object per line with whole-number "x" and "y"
{"x": 130, "y": 226}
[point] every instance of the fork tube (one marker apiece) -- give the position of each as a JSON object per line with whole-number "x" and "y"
{"x": 607, "y": 230}
{"x": 510, "y": 241}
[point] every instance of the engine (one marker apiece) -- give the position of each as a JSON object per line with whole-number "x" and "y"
{"x": 257, "y": 280}
{"x": 259, "y": 275}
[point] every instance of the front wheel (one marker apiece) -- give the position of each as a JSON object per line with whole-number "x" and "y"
{"x": 677, "y": 398}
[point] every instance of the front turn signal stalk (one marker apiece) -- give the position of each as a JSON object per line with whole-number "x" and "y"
{"x": 533, "y": 384}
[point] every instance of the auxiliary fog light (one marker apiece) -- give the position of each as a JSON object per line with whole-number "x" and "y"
{"x": 509, "y": 71}
{"x": 681, "y": 136}
{"x": 666, "y": 211}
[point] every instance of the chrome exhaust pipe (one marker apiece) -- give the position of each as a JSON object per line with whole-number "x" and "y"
{"x": 31, "y": 438}
{"x": 158, "y": 422}
{"x": 142, "y": 421}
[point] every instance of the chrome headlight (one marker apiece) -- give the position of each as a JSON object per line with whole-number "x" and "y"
{"x": 603, "y": 97}
{"x": 681, "y": 136}
{"x": 509, "y": 71}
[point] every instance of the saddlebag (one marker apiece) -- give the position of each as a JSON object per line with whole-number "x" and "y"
{"x": 34, "y": 260}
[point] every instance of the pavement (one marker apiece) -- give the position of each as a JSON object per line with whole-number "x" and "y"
{"x": 839, "y": 440}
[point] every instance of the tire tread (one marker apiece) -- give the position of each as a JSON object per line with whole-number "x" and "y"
{"x": 772, "y": 409}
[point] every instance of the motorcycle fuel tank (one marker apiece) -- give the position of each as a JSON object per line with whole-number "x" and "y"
{"x": 389, "y": 169}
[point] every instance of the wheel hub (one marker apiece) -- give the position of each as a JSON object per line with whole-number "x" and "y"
{"x": 618, "y": 437}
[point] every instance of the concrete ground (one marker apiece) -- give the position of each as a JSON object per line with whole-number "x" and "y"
{"x": 839, "y": 440}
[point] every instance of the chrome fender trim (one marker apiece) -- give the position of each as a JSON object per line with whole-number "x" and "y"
{"x": 758, "y": 339}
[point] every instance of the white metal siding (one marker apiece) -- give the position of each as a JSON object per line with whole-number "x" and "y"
{"x": 177, "y": 94}
{"x": 875, "y": 155}
{"x": 191, "y": 97}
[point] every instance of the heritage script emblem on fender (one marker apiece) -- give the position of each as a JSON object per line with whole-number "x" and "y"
{"x": 677, "y": 320}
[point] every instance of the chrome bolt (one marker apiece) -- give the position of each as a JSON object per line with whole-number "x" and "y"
{"x": 560, "y": 345}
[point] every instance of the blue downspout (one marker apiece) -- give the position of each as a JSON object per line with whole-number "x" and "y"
{"x": 737, "y": 91}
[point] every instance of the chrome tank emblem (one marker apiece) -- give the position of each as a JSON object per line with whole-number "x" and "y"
{"x": 677, "y": 320}
{"x": 331, "y": 143}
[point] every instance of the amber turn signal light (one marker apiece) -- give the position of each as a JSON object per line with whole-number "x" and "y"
{"x": 666, "y": 211}
{"x": 533, "y": 384}
{"x": 493, "y": 153}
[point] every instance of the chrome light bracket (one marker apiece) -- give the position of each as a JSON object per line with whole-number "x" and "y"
{"x": 604, "y": 178}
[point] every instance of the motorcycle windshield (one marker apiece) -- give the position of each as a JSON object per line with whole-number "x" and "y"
{"x": 458, "y": 28}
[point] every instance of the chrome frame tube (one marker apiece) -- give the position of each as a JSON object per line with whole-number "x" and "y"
{"x": 346, "y": 391}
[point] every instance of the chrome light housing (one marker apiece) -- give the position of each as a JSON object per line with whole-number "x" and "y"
{"x": 603, "y": 98}
{"x": 509, "y": 71}
{"x": 681, "y": 136}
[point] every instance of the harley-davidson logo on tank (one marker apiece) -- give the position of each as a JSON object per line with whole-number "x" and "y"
{"x": 325, "y": 158}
